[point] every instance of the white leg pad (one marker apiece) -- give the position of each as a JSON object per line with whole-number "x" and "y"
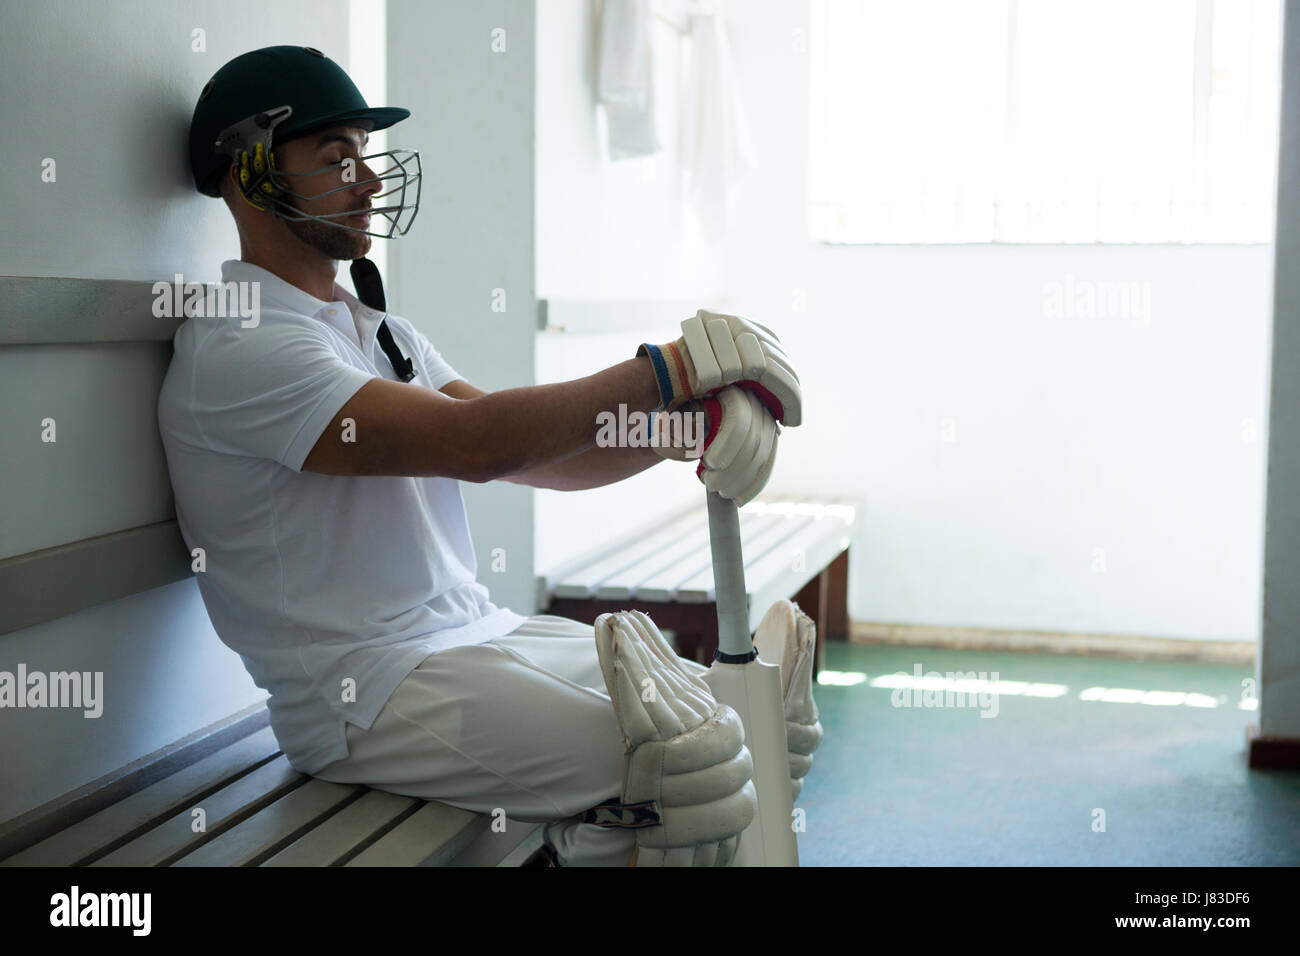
{"x": 688, "y": 790}
{"x": 788, "y": 637}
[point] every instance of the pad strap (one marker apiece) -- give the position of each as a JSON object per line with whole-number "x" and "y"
{"x": 624, "y": 816}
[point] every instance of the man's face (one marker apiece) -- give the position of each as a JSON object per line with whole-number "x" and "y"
{"x": 324, "y": 148}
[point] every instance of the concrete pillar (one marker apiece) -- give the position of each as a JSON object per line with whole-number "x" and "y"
{"x": 1277, "y": 740}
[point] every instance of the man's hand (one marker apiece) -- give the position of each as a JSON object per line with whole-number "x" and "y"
{"x": 739, "y": 442}
{"x": 717, "y": 350}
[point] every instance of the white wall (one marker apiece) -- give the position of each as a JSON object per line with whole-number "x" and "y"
{"x": 1070, "y": 434}
{"x": 608, "y": 230}
{"x": 472, "y": 116}
{"x": 106, "y": 89}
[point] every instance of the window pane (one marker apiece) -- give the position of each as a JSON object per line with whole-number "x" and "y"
{"x": 909, "y": 133}
{"x": 1241, "y": 160}
{"x": 1044, "y": 120}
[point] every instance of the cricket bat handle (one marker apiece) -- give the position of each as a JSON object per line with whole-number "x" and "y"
{"x": 729, "y": 577}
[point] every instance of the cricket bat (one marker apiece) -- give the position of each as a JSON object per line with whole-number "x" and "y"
{"x": 752, "y": 687}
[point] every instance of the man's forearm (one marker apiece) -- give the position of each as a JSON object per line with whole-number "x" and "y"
{"x": 524, "y": 429}
{"x": 593, "y": 468}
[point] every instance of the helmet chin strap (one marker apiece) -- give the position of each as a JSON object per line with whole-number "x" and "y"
{"x": 370, "y": 290}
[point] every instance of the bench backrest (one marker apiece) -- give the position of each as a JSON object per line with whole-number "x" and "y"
{"x": 84, "y": 457}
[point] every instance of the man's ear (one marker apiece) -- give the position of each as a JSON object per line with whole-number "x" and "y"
{"x": 224, "y": 184}
{"x": 227, "y": 184}
{"x": 230, "y": 180}
{"x": 231, "y": 193}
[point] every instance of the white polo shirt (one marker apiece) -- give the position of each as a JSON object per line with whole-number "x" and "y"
{"x": 330, "y": 588}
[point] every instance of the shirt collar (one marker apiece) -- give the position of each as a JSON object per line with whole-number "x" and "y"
{"x": 353, "y": 303}
{"x": 274, "y": 288}
{"x": 277, "y": 290}
{"x": 365, "y": 319}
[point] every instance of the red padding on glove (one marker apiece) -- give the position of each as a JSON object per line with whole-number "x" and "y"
{"x": 714, "y": 409}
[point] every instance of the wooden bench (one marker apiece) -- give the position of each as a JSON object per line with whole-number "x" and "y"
{"x": 258, "y": 811}
{"x": 793, "y": 548}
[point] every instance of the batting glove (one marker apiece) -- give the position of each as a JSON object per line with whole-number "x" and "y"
{"x": 717, "y": 350}
{"x": 736, "y": 449}
{"x": 740, "y": 449}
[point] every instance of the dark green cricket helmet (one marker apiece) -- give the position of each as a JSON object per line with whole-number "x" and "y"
{"x": 267, "y": 97}
{"x": 318, "y": 90}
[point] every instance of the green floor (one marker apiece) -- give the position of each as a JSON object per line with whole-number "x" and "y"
{"x": 942, "y": 785}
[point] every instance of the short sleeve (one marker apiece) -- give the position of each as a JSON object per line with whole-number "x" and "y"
{"x": 440, "y": 372}
{"x": 270, "y": 391}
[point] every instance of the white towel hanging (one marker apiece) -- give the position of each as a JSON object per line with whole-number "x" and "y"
{"x": 716, "y": 150}
{"x": 625, "y": 84}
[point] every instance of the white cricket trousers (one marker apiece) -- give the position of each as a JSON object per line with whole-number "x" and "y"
{"x": 521, "y": 724}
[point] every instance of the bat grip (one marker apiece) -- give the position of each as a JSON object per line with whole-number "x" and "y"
{"x": 729, "y": 576}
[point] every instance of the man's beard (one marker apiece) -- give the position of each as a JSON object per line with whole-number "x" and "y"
{"x": 333, "y": 241}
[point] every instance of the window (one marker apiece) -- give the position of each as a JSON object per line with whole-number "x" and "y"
{"x": 1044, "y": 121}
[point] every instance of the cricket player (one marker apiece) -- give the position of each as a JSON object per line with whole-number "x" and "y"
{"x": 316, "y": 454}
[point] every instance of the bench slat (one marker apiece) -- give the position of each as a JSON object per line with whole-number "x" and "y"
{"x": 626, "y": 583}
{"x": 338, "y": 837}
{"x": 581, "y": 582}
{"x": 492, "y": 848}
{"x": 432, "y": 836}
{"x": 821, "y": 542}
{"x": 574, "y": 565}
{"x": 298, "y": 811}
{"x": 138, "y": 812}
{"x": 663, "y": 586}
{"x": 225, "y": 808}
{"x": 699, "y": 588}
{"x": 667, "y": 566}
{"x": 631, "y": 569}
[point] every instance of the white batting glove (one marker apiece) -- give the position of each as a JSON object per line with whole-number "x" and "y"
{"x": 740, "y": 452}
{"x": 716, "y": 350}
{"x": 736, "y": 447}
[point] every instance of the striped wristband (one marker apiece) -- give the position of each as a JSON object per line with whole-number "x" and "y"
{"x": 670, "y": 373}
